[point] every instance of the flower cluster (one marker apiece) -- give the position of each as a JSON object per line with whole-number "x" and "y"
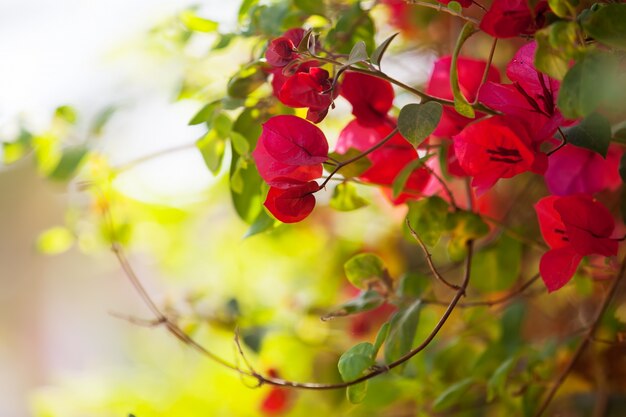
{"x": 517, "y": 127}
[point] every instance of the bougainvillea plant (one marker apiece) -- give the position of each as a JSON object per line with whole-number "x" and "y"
{"x": 501, "y": 168}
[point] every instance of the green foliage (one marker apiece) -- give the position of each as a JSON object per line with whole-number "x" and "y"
{"x": 463, "y": 226}
{"x": 497, "y": 267}
{"x": 353, "y": 364}
{"x": 55, "y": 240}
{"x": 593, "y": 133}
{"x": 586, "y": 85}
{"x": 353, "y": 25}
{"x": 365, "y": 270}
{"x": 461, "y": 105}
{"x": 428, "y": 218}
{"x": 556, "y": 46}
{"x": 353, "y": 169}
{"x": 607, "y": 24}
{"x": 417, "y": 121}
{"x": 71, "y": 160}
{"x": 453, "y": 395}
{"x": 365, "y": 301}
{"x": 379, "y": 52}
{"x": 402, "y": 329}
{"x": 345, "y": 198}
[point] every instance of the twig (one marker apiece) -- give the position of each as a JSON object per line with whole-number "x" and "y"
{"x": 563, "y": 142}
{"x": 359, "y": 156}
{"x": 487, "y": 68}
{"x": 131, "y": 164}
{"x": 585, "y": 342}
{"x": 429, "y": 257}
{"x": 445, "y": 187}
{"x": 441, "y": 8}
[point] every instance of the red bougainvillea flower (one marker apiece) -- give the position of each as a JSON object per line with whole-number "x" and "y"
{"x": 494, "y": 148}
{"x": 574, "y": 170}
{"x": 573, "y": 226}
{"x": 282, "y": 50}
{"x": 371, "y": 97}
{"x": 308, "y": 89}
{"x": 388, "y": 161}
{"x": 290, "y": 149}
{"x": 470, "y": 76}
{"x": 278, "y": 400}
{"x": 293, "y": 204}
{"x": 532, "y": 96}
{"x": 510, "y": 18}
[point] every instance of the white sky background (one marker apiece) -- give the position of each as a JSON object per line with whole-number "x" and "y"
{"x": 80, "y": 52}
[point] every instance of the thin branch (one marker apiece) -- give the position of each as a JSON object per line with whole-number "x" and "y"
{"x": 131, "y": 164}
{"x": 429, "y": 257}
{"x": 487, "y": 67}
{"x": 359, "y": 156}
{"x": 563, "y": 142}
{"x": 175, "y": 330}
{"x": 445, "y": 187}
{"x": 441, "y": 8}
{"x": 585, "y": 342}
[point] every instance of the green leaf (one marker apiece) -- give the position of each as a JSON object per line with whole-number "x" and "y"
{"x": 417, "y": 121}
{"x": 382, "y": 335}
{"x": 554, "y": 48}
{"x": 195, "y": 23}
{"x": 357, "y": 54}
{"x": 497, "y": 265}
{"x": 67, "y": 114}
{"x": 586, "y": 85}
{"x": 247, "y": 199}
{"x": 305, "y": 42}
{"x": 206, "y": 113}
{"x": 212, "y": 147}
{"x": 403, "y": 326}
{"x": 345, "y": 198}
{"x": 353, "y": 25}
{"x": 377, "y": 55}
{"x": 356, "y": 393}
{"x": 607, "y": 24}
{"x": 562, "y": 8}
{"x": 593, "y": 133}
{"x": 455, "y": 6}
{"x": 365, "y": 301}
{"x": 496, "y": 386}
{"x": 353, "y": 169}
{"x": 356, "y": 360}
{"x": 464, "y": 226}
{"x": 262, "y": 223}
{"x": 364, "y": 269}
{"x": 248, "y": 79}
{"x": 311, "y": 6}
{"x": 69, "y": 163}
{"x": 240, "y": 143}
{"x": 55, "y": 240}
{"x": 461, "y": 105}
{"x": 427, "y": 217}
{"x": 452, "y": 395}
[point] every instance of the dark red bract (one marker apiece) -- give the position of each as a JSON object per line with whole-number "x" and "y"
{"x": 573, "y": 226}
{"x": 531, "y": 97}
{"x": 494, "y": 148}
{"x": 371, "y": 97}
{"x": 308, "y": 89}
{"x": 293, "y": 204}
{"x": 282, "y": 50}
{"x": 290, "y": 149}
{"x": 388, "y": 161}
{"x": 510, "y": 18}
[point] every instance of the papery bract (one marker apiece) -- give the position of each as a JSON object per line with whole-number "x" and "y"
{"x": 388, "y": 161}
{"x": 308, "y": 89}
{"x": 290, "y": 149}
{"x": 573, "y": 170}
{"x": 510, "y": 18}
{"x": 494, "y": 148}
{"x": 573, "y": 226}
{"x": 532, "y": 95}
{"x": 470, "y": 76}
{"x": 371, "y": 97}
{"x": 293, "y": 204}
{"x": 282, "y": 50}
